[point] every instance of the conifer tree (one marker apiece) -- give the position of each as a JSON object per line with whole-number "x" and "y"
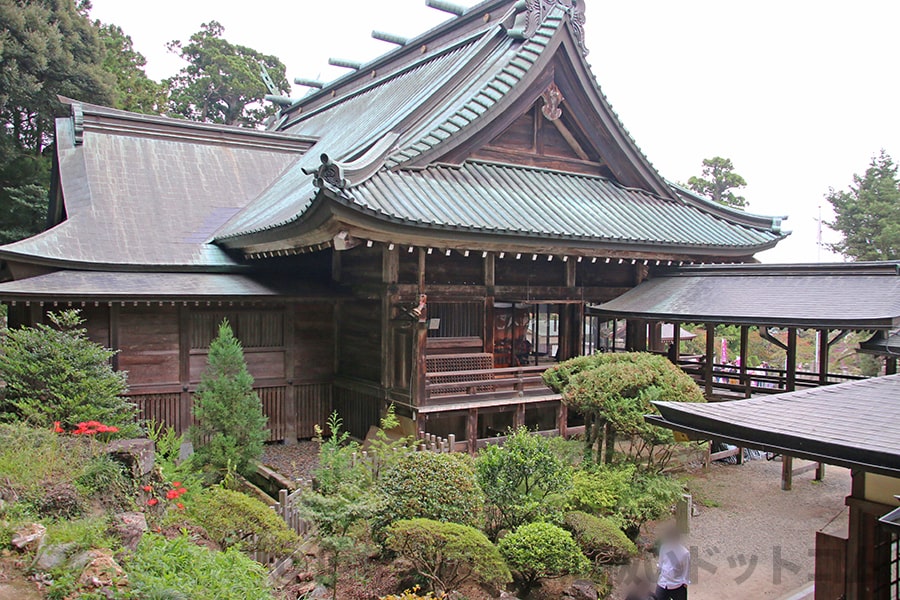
{"x": 230, "y": 425}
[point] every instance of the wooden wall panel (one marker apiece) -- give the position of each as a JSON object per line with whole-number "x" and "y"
{"x": 602, "y": 274}
{"x": 273, "y": 403}
{"x": 97, "y": 324}
{"x": 361, "y": 264}
{"x": 313, "y": 353}
{"x": 360, "y": 340}
{"x": 358, "y": 409}
{"x": 519, "y": 136}
{"x": 460, "y": 319}
{"x": 148, "y": 340}
{"x": 267, "y": 364}
{"x": 161, "y": 408}
{"x": 455, "y": 269}
{"x": 528, "y": 272}
{"x": 313, "y": 407}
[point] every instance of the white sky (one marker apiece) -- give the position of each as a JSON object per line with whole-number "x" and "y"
{"x": 800, "y": 94}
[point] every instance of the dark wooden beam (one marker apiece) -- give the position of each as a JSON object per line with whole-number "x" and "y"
{"x": 114, "y": 333}
{"x": 824, "y": 347}
{"x": 745, "y": 380}
{"x": 791, "y": 367}
{"x": 710, "y": 358}
{"x": 291, "y": 408}
{"x": 184, "y": 366}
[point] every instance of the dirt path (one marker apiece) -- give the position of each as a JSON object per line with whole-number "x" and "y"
{"x": 750, "y": 539}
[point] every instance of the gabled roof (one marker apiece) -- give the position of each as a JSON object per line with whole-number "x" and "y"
{"x": 452, "y": 89}
{"x": 149, "y": 192}
{"x": 843, "y": 295}
{"x": 854, "y": 424}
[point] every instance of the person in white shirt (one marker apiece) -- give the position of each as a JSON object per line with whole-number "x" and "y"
{"x": 674, "y": 568}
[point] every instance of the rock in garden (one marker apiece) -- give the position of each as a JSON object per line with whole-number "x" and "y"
{"x": 129, "y": 527}
{"x": 28, "y": 537}
{"x": 581, "y": 589}
{"x": 507, "y": 596}
{"x": 102, "y": 571}
{"x": 137, "y": 454}
{"x": 53, "y": 556}
{"x": 320, "y": 592}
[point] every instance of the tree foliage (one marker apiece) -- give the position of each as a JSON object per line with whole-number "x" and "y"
{"x": 230, "y": 425}
{"x": 600, "y": 538}
{"x": 518, "y": 477}
{"x": 541, "y": 551}
{"x": 55, "y": 373}
{"x": 447, "y": 554}
{"x": 614, "y": 391}
{"x": 133, "y": 91}
{"x": 717, "y": 180}
{"x": 221, "y": 82}
{"x": 868, "y": 214}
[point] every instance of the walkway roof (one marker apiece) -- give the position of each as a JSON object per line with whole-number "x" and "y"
{"x": 854, "y": 424}
{"x": 837, "y": 296}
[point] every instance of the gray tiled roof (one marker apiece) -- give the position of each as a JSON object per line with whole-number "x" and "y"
{"x": 854, "y": 424}
{"x": 860, "y": 297}
{"x": 107, "y": 285}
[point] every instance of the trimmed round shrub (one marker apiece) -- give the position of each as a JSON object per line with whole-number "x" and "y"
{"x": 600, "y": 539}
{"x": 447, "y": 554}
{"x": 541, "y": 551}
{"x": 598, "y": 489}
{"x": 433, "y": 486}
{"x": 232, "y": 519}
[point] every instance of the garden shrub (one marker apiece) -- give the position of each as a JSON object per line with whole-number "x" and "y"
{"x": 231, "y": 426}
{"x": 517, "y": 478}
{"x": 230, "y": 518}
{"x": 649, "y": 497}
{"x": 58, "y": 374}
{"x": 430, "y": 485}
{"x": 178, "y": 569}
{"x": 447, "y": 554}
{"x": 600, "y": 538}
{"x": 598, "y": 489}
{"x": 541, "y": 551}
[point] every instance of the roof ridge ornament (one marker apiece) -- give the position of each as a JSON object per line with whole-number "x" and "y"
{"x": 328, "y": 175}
{"x": 78, "y": 122}
{"x": 530, "y": 14}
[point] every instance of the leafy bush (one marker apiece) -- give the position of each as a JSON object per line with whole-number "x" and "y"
{"x": 447, "y": 554}
{"x": 230, "y": 518}
{"x": 434, "y": 486}
{"x": 231, "y": 426}
{"x": 598, "y": 489}
{"x": 517, "y": 478}
{"x": 58, "y": 374}
{"x": 600, "y": 539}
{"x": 178, "y": 569}
{"x": 649, "y": 497}
{"x": 615, "y": 391}
{"x": 541, "y": 551}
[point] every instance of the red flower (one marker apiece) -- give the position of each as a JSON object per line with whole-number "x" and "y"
{"x": 147, "y": 488}
{"x": 176, "y": 484}
{"x": 171, "y": 494}
{"x": 180, "y": 506}
{"x": 112, "y": 429}
{"x": 57, "y": 428}
{"x": 152, "y": 502}
{"x": 181, "y": 491}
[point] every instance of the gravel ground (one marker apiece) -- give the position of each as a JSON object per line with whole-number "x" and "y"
{"x": 295, "y": 462}
{"x": 745, "y": 523}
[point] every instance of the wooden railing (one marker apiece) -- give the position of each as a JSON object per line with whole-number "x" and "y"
{"x": 759, "y": 380}
{"x": 450, "y": 386}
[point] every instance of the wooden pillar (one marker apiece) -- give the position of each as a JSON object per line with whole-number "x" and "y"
{"x": 114, "y": 333}
{"x": 571, "y": 273}
{"x": 472, "y": 430}
{"x": 418, "y": 391}
{"x": 890, "y": 365}
{"x": 791, "y": 368}
{"x": 519, "y": 417}
{"x": 335, "y": 265}
{"x": 856, "y": 555}
{"x": 676, "y": 341}
{"x": 654, "y": 336}
{"x": 824, "y": 347}
{"x": 635, "y": 335}
{"x": 744, "y": 377}
{"x": 490, "y": 280}
{"x": 184, "y": 368}
{"x": 562, "y": 419}
{"x": 421, "y": 271}
{"x": 291, "y": 408}
{"x": 820, "y": 471}
{"x": 787, "y": 472}
{"x": 710, "y": 358}
{"x": 390, "y": 274}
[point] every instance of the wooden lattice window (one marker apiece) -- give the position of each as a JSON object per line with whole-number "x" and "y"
{"x": 255, "y": 329}
{"x": 442, "y": 363}
{"x": 457, "y": 319}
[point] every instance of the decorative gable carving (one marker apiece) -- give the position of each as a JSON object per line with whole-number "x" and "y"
{"x": 524, "y": 24}
{"x": 552, "y": 98}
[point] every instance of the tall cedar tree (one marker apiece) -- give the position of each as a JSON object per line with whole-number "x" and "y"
{"x": 221, "y": 82}
{"x": 231, "y": 426}
{"x": 717, "y": 180}
{"x": 58, "y": 374}
{"x": 868, "y": 215}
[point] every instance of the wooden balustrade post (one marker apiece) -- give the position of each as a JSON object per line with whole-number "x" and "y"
{"x": 451, "y": 440}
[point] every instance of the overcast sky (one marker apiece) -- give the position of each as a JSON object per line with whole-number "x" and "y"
{"x": 800, "y": 94}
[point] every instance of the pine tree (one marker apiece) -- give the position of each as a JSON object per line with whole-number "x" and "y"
{"x": 230, "y": 425}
